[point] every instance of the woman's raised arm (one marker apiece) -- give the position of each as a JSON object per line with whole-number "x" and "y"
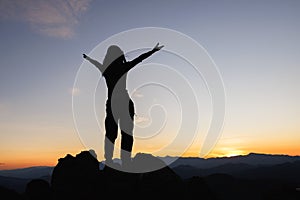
{"x": 145, "y": 55}
{"x": 94, "y": 62}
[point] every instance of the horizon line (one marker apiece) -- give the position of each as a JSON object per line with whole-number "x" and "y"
{"x": 218, "y": 157}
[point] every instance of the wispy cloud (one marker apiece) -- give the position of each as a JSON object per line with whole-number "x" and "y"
{"x": 74, "y": 91}
{"x": 54, "y": 18}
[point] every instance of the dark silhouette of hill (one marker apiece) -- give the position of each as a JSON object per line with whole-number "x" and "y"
{"x": 38, "y": 189}
{"x": 16, "y": 184}
{"x": 254, "y": 159}
{"x": 286, "y": 172}
{"x": 242, "y": 177}
{"x": 9, "y": 194}
{"x": 187, "y": 171}
{"x": 165, "y": 182}
{"x": 79, "y": 177}
{"x": 17, "y": 179}
{"x": 243, "y": 181}
{"x": 225, "y": 186}
{"x": 76, "y": 177}
{"x": 28, "y": 173}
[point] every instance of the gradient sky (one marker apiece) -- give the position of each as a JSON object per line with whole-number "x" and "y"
{"x": 255, "y": 44}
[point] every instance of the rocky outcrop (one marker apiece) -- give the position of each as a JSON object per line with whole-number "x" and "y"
{"x": 76, "y": 177}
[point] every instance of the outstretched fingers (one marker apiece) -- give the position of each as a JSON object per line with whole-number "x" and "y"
{"x": 157, "y": 47}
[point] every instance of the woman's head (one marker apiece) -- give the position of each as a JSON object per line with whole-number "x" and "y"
{"x": 114, "y": 54}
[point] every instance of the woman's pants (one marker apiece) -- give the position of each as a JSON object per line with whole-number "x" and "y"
{"x": 120, "y": 111}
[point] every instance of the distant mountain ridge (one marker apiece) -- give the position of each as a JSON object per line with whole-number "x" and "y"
{"x": 252, "y": 176}
{"x": 17, "y": 184}
{"x": 285, "y": 171}
{"x": 28, "y": 173}
{"x": 252, "y": 159}
{"x": 251, "y": 166}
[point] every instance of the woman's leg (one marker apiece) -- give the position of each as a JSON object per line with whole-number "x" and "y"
{"x": 126, "y": 125}
{"x": 111, "y": 133}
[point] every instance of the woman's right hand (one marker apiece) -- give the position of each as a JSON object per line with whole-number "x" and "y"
{"x": 157, "y": 47}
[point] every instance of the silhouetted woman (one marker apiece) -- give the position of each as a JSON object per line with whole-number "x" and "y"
{"x": 119, "y": 106}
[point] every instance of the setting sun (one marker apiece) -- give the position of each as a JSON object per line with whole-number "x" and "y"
{"x": 226, "y": 152}
{"x": 234, "y": 153}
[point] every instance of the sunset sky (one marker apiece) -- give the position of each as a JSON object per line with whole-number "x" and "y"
{"x": 254, "y": 44}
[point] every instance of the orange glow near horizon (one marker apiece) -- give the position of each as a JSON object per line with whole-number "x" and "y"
{"x": 51, "y": 159}
{"x": 22, "y": 152}
{"x": 29, "y": 159}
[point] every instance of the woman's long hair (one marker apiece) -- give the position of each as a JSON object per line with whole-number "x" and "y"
{"x": 113, "y": 55}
